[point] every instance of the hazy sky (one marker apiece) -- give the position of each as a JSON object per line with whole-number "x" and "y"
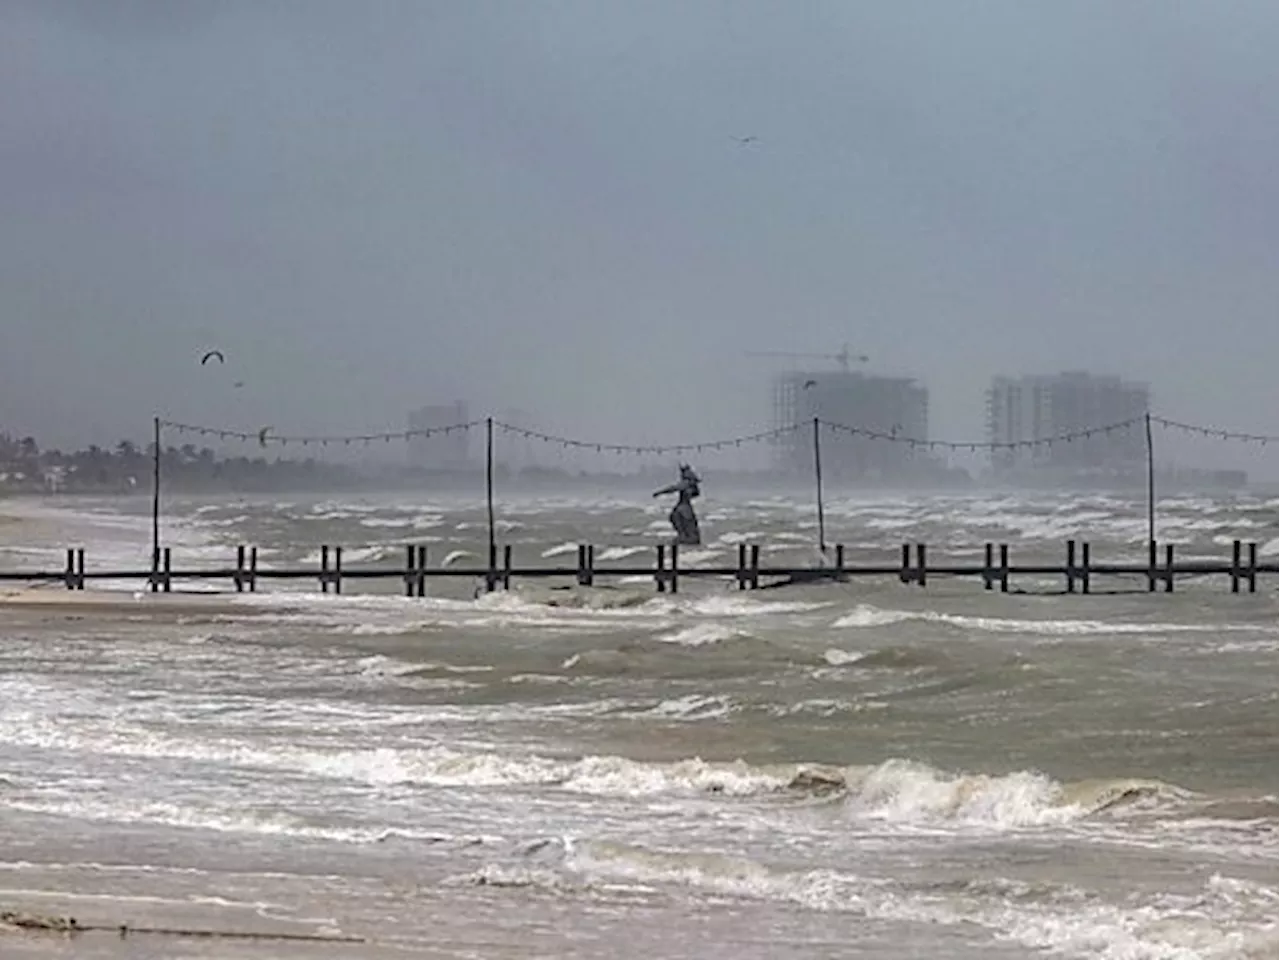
{"x": 373, "y": 205}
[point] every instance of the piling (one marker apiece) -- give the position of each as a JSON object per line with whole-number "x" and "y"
{"x": 1077, "y": 567}
{"x": 586, "y": 561}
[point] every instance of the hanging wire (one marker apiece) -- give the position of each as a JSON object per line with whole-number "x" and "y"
{"x": 1215, "y": 433}
{"x": 265, "y": 437}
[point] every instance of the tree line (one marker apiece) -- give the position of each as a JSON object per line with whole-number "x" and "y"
{"x": 127, "y": 467}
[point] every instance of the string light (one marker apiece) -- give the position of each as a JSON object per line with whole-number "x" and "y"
{"x": 1215, "y": 432}
{"x": 566, "y": 443}
{"x": 365, "y": 438}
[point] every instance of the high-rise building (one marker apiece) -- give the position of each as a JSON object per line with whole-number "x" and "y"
{"x": 444, "y": 450}
{"x": 894, "y": 406}
{"x": 1039, "y": 407}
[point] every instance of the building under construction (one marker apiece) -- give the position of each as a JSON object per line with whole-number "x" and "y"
{"x": 895, "y": 406}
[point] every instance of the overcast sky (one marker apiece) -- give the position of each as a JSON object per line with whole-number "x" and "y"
{"x": 541, "y": 205}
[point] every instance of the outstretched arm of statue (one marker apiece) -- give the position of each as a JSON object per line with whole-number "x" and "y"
{"x": 674, "y": 488}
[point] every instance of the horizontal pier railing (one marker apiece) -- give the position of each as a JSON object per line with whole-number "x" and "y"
{"x": 1160, "y": 569}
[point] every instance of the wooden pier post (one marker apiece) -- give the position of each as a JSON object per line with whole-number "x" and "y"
{"x": 491, "y": 575}
{"x": 586, "y": 561}
{"x": 1151, "y": 566}
{"x": 1162, "y": 568}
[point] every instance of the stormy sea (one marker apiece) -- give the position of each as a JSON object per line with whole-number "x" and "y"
{"x": 869, "y": 770}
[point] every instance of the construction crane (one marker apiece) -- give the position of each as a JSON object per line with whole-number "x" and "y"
{"x": 844, "y": 357}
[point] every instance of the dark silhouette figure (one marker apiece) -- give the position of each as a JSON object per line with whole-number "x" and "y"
{"x": 682, "y": 517}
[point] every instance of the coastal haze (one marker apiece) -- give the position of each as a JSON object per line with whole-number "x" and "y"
{"x": 601, "y": 224}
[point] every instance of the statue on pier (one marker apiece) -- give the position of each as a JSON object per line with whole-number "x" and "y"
{"x": 682, "y": 517}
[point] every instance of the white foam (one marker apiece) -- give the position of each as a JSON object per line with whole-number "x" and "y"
{"x": 865, "y": 615}
{"x": 700, "y": 634}
{"x": 619, "y": 553}
{"x": 1231, "y": 919}
{"x": 839, "y": 658}
{"x": 559, "y": 550}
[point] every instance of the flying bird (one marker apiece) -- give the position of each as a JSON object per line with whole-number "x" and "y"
{"x": 745, "y": 140}
{"x": 238, "y": 384}
{"x": 210, "y": 355}
{"x": 809, "y": 383}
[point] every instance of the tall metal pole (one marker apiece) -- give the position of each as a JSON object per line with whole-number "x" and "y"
{"x": 1151, "y": 484}
{"x": 155, "y": 505}
{"x": 817, "y": 475}
{"x": 488, "y": 482}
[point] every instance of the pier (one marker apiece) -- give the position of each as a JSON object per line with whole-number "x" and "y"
{"x": 913, "y": 564}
